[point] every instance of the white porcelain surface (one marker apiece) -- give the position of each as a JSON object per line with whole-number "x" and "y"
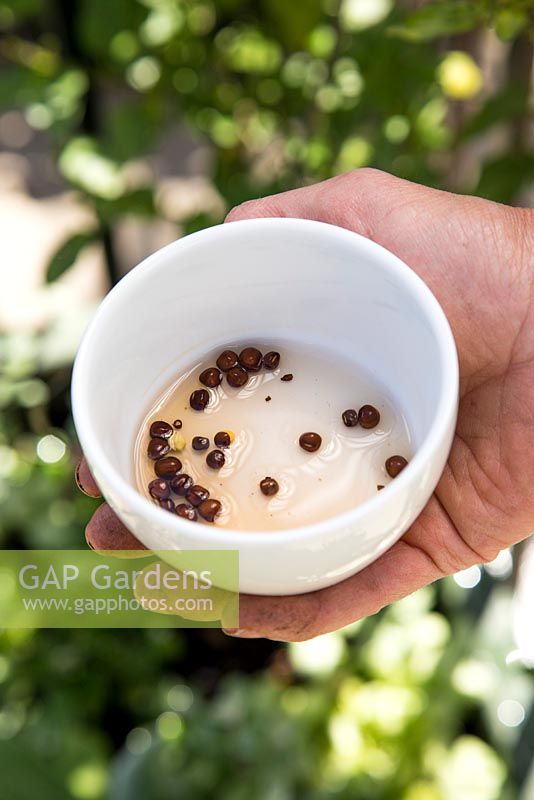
{"x": 290, "y": 279}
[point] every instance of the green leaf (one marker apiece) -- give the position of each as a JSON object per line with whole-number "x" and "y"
{"x": 22, "y": 9}
{"x": 97, "y": 22}
{"x": 139, "y": 202}
{"x": 509, "y": 22}
{"x": 21, "y": 86}
{"x": 67, "y": 254}
{"x": 28, "y": 774}
{"x": 439, "y": 19}
{"x": 501, "y": 107}
{"x": 132, "y": 128}
{"x": 504, "y": 177}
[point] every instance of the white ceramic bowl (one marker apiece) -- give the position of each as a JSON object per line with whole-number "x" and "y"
{"x": 261, "y": 279}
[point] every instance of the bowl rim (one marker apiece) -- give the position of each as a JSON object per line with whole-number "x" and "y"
{"x": 229, "y": 538}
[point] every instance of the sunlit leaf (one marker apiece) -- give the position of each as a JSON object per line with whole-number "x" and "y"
{"x": 67, "y": 254}
{"x": 510, "y": 22}
{"x": 441, "y": 18}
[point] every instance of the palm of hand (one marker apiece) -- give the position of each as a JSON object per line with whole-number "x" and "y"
{"x": 473, "y": 255}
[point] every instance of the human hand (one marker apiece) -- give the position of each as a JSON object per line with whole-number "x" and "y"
{"x": 478, "y": 259}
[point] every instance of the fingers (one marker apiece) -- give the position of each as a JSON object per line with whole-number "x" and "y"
{"x": 172, "y": 594}
{"x": 399, "y": 572}
{"x": 411, "y": 563}
{"x": 358, "y": 200}
{"x": 85, "y": 480}
{"x": 106, "y": 532}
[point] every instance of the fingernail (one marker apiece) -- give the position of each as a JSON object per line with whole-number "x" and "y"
{"x": 77, "y": 477}
{"x": 241, "y": 633}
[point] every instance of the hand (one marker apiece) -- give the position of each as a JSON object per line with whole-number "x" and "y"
{"x": 478, "y": 259}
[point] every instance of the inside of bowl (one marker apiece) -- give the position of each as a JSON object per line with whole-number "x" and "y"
{"x": 267, "y": 279}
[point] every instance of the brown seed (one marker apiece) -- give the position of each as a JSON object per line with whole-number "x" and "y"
{"x": 187, "y": 512}
{"x": 379, "y": 486}
{"x": 269, "y": 486}
{"x": 157, "y": 448}
{"x": 215, "y": 459}
{"x": 394, "y": 465}
{"x": 236, "y": 377}
{"x": 177, "y": 424}
{"x": 310, "y": 441}
{"x": 271, "y": 360}
{"x": 199, "y": 399}
{"x": 368, "y": 416}
{"x": 227, "y": 360}
{"x": 158, "y": 489}
{"x": 167, "y": 467}
{"x": 160, "y": 429}
{"x": 250, "y": 359}
{"x": 222, "y": 439}
{"x": 200, "y": 442}
{"x": 181, "y": 484}
{"x": 287, "y": 378}
{"x": 167, "y": 504}
{"x": 210, "y": 377}
{"x": 268, "y": 398}
{"x": 209, "y": 509}
{"x": 196, "y": 495}
{"x": 350, "y": 417}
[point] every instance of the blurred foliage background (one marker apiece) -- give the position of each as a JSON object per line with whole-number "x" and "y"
{"x": 124, "y": 124}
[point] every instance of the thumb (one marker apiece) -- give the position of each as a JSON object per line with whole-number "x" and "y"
{"x": 359, "y": 200}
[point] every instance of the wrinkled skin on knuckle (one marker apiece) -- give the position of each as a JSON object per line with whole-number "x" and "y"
{"x": 292, "y": 619}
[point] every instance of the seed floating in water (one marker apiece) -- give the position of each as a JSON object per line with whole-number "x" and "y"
{"x": 215, "y": 459}
{"x": 250, "y": 359}
{"x": 199, "y": 399}
{"x": 161, "y": 430}
{"x": 167, "y": 504}
{"x": 222, "y": 439}
{"x": 350, "y": 417}
{"x": 210, "y": 377}
{"x": 187, "y": 512}
{"x": 227, "y": 360}
{"x": 167, "y": 467}
{"x": 338, "y": 471}
{"x": 310, "y": 441}
{"x": 209, "y": 509}
{"x": 271, "y": 360}
{"x": 200, "y": 442}
{"x": 368, "y": 416}
{"x": 395, "y": 465}
{"x": 157, "y": 448}
{"x": 236, "y": 377}
{"x": 196, "y": 495}
{"x": 269, "y": 486}
{"x": 181, "y": 484}
{"x": 159, "y": 489}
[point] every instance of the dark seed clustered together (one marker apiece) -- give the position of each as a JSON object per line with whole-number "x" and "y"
{"x": 170, "y": 479}
{"x": 215, "y": 459}
{"x": 222, "y": 439}
{"x": 237, "y": 368}
{"x": 199, "y": 399}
